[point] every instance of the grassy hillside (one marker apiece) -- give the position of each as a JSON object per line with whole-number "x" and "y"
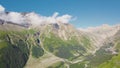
{"x": 113, "y": 63}
{"x": 15, "y": 47}
{"x": 57, "y": 47}
{"x": 65, "y": 48}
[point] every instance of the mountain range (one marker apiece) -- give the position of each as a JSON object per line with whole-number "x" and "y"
{"x": 56, "y": 45}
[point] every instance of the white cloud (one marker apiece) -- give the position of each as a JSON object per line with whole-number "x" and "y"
{"x": 33, "y": 18}
{"x": 52, "y": 19}
{"x": 16, "y": 17}
{"x": 2, "y": 8}
{"x": 36, "y": 19}
{"x": 55, "y": 14}
{"x": 64, "y": 19}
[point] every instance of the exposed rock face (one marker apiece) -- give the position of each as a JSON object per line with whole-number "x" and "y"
{"x": 1, "y": 22}
{"x": 101, "y": 33}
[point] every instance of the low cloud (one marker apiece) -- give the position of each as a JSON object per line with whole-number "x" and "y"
{"x": 33, "y": 18}
{"x": 64, "y": 19}
{"x": 16, "y": 17}
{"x": 2, "y": 8}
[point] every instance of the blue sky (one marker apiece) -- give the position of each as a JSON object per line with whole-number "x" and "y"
{"x": 87, "y": 12}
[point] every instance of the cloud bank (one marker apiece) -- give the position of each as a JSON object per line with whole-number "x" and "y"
{"x": 33, "y": 18}
{"x": 2, "y": 8}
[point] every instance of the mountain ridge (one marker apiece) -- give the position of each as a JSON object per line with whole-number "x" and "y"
{"x": 57, "y": 44}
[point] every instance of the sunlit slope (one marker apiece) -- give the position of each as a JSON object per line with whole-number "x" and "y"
{"x": 15, "y": 48}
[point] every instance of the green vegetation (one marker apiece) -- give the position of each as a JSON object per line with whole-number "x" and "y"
{"x": 15, "y": 48}
{"x": 113, "y": 63}
{"x": 3, "y": 44}
{"x": 86, "y": 41}
{"x": 37, "y": 51}
{"x": 117, "y": 46}
{"x": 12, "y": 57}
{"x": 100, "y": 56}
{"x": 31, "y": 31}
{"x": 78, "y": 65}
{"x": 58, "y": 65}
{"x": 62, "y": 48}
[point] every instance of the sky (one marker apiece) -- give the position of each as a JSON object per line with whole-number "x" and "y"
{"x": 85, "y": 13}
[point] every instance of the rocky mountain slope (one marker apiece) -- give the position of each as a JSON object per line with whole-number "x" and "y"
{"x": 56, "y": 45}
{"x": 106, "y": 48}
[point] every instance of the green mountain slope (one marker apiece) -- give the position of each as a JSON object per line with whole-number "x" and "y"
{"x": 56, "y": 45}
{"x": 114, "y": 62}
{"x": 15, "y": 47}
